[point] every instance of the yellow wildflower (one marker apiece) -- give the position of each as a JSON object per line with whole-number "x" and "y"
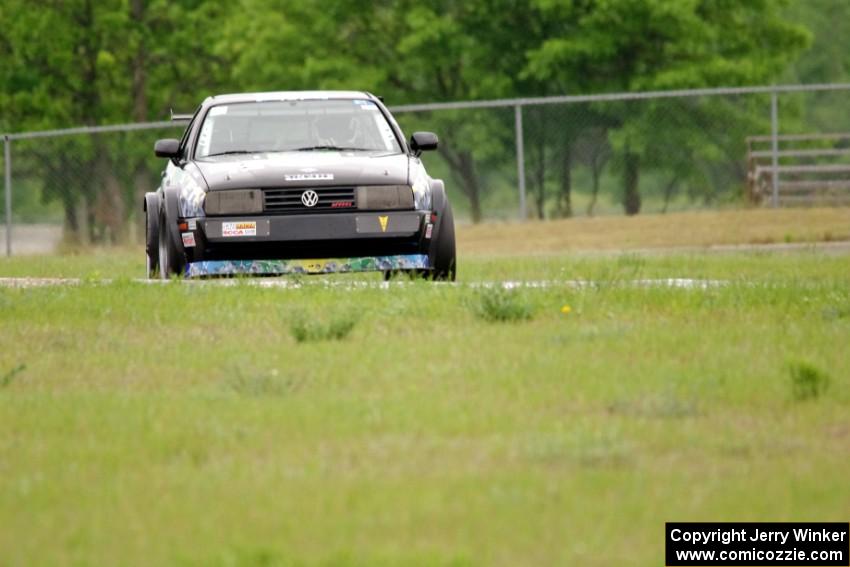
{"x": 566, "y": 309}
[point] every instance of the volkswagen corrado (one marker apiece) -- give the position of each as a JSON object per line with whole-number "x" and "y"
{"x": 297, "y": 182}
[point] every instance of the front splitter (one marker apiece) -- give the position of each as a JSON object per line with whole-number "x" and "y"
{"x": 324, "y": 266}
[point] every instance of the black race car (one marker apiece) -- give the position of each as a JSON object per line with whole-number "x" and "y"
{"x": 297, "y": 182}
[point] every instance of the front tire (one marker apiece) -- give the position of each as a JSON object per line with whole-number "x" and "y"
{"x": 170, "y": 263}
{"x": 445, "y": 252}
{"x": 442, "y": 252}
{"x": 151, "y": 235}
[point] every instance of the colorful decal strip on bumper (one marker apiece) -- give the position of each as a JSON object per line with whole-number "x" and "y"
{"x": 328, "y": 266}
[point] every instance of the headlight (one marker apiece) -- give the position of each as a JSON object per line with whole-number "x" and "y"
{"x": 190, "y": 199}
{"x": 234, "y": 202}
{"x": 383, "y": 197}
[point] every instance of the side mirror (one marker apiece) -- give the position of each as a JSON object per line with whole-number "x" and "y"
{"x": 168, "y": 148}
{"x": 423, "y": 142}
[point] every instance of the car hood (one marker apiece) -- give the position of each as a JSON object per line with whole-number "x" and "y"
{"x": 299, "y": 169}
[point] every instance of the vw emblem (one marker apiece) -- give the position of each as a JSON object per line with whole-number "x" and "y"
{"x": 309, "y": 198}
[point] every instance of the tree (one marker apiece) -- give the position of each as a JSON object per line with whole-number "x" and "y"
{"x": 105, "y": 62}
{"x": 409, "y": 51}
{"x": 634, "y": 45}
{"x": 827, "y": 60}
{"x": 120, "y": 60}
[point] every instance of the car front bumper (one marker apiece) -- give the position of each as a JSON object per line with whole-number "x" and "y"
{"x": 312, "y": 227}
{"x": 307, "y": 243}
{"x": 214, "y": 268}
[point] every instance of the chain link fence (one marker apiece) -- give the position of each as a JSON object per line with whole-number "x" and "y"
{"x": 531, "y": 158}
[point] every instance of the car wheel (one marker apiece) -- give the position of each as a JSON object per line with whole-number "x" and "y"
{"x": 151, "y": 235}
{"x": 445, "y": 256}
{"x": 169, "y": 259}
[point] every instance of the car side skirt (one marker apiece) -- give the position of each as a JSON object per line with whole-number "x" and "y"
{"x": 213, "y": 268}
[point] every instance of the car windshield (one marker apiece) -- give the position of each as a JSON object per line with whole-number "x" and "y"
{"x": 299, "y": 125}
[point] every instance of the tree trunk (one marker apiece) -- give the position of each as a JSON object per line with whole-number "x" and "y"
{"x": 109, "y": 207}
{"x": 631, "y": 192}
{"x": 463, "y": 165}
{"x": 565, "y": 203}
{"x": 69, "y": 206}
{"x": 141, "y": 175}
{"x": 89, "y": 99}
{"x": 668, "y": 193}
{"x": 540, "y": 176}
{"x": 57, "y": 164}
{"x": 596, "y": 171}
{"x": 82, "y": 222}
{"x": 470, "y": 183}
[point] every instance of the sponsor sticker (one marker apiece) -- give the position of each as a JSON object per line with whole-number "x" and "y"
{"x": 188, "y": 239}
{"x": 193, "y": 224}
{"x": 428, "y": 228}
{"x": 309, "y": 177}
{"x": 239, "y": 228}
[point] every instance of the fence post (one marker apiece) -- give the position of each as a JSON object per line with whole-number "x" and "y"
{"x": 7, "y": 162}
{"x": 774, "y": 145}
{"x": 520, "y": 160}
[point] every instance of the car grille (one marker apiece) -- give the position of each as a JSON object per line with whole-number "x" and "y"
{"x": 331, "y": 199}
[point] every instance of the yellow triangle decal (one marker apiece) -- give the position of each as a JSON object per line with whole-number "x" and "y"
{"x": 383, "y": 221}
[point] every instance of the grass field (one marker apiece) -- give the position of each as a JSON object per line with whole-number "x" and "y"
{"x": 684, "y": 229}
{"x": 419, "y": 425}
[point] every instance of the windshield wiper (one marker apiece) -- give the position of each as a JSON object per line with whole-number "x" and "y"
{"x": 332, "y": 148}
{"x": 231, "y": 152}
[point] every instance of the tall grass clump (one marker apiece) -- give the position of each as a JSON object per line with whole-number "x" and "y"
{"x": 7, "y": 378}
{"x": 807, "y": 381}
{"x": 250, "y": 382}
{"x": 499, "y": 304}
{"x": 335, "y": 327}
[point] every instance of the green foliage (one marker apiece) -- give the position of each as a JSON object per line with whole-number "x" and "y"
{"x": 333, "y": 327}
{"x": 622, "y": 45}
{"x": 114, "y": 62}
{"x": 500, "y": 304}
{"x": 827, "y": 58}
{"x": 654, "y": 44}
{"x": 808, "y": 382}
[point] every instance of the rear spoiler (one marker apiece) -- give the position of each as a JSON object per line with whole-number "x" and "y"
{"x": 181, "y": 117}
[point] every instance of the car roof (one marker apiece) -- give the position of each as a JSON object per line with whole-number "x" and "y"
{"x": 287, "y": 95}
